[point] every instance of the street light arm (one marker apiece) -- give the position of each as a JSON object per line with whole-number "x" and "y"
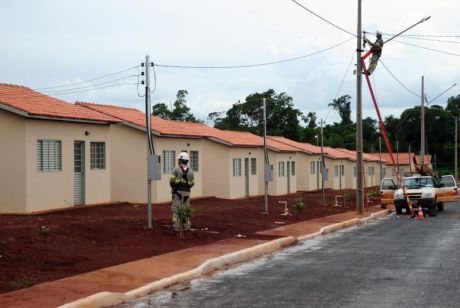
{"x": 442, "y": 93}
{"x": 421, "y": 21}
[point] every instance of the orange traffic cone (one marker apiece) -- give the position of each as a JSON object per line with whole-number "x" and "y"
{"x": 420, "y": 213}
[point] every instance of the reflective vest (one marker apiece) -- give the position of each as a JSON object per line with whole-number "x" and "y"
{"x": 377, "y": 47}
{"x": 181, "y": 180}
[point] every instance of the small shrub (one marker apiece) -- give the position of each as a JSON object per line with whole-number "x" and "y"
{"x": 45, "y": 231}
{"x": 25, "y": 282}
{"x": 184, "y": 213}
{"x": 298, "y": 206}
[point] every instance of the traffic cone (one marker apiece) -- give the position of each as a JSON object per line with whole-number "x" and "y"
{"x": 420, "y": 213}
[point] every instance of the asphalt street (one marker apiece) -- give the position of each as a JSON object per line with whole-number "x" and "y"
{"x": 388, "y": 263}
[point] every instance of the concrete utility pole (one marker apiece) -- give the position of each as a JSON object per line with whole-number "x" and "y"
{"x": 397, "y": 155}
{"x": 149, "y": 138}
{"x": 380, "y": 159}
{"x": 456, "y": 149}
{"x": 322, "y": 164}
{"x": 359, "y": 123}
{"x": 410, "y": 160}
{"x": 422, "y": 128}
{"x": 265, "y": 155}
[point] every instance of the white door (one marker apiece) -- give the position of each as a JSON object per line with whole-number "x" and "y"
{"x": 79, "y": 172}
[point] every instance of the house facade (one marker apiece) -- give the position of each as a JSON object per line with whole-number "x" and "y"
{"x": 57, "y": 154}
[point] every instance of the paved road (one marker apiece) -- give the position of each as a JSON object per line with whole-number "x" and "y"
{"x": 390, "y": 263}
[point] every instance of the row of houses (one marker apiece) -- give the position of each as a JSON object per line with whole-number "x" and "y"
{"x": 57, "y": 154}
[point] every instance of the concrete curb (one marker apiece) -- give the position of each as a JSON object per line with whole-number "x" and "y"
{"x": 106, "y": 299}
{"x": 245, "y": 254}
{"x": 214, "y": 264}
{"x": 102, "y": 299}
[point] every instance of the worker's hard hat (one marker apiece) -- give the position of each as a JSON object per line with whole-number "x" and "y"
{"x": 379, "y": 33}
{"x": 183, "y": 156}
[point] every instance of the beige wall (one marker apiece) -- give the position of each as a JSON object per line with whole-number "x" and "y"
{"x": 12, "y": 163}
{"x": 129, "y": 165}
{"x": 53, "y": 190}
{"x": 218, "y": 175}
{"x": 279, "y": 185}
{"x": 237, "y": 188}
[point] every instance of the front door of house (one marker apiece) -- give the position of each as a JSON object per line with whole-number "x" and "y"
{"x": 288, "y": 173}
{"x": 246, "y": 176}
{"x": 79, "y": 172}
{"x": 318, "y": 170}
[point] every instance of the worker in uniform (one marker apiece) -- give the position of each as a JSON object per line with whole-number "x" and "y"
{"x": 181, "y": 182}
{"x": 376, "y": 49}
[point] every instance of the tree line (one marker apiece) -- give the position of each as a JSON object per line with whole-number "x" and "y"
{"x": 283, "y": 119}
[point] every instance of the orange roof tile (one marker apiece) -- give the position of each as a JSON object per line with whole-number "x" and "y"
{"x": 164, "y": 127}
{"x": 40, "y": 105}
{"x": 188, "y": 129}
{"x": 340, "y": 153}
{"x": 405, "y": 158}
{"x": 306, "y": 147}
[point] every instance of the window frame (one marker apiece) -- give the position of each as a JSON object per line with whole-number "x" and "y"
{"x": 281, "y": 169}
{"x": 170, "y": 162}
{"x": 57, "y": 164}
{"x": 253, "y": 166}
{"x": 95, "y": 162}
{"x": 195, "y": 161}
{"x": 313, "y": 170}
{"x": 236, "y": 167}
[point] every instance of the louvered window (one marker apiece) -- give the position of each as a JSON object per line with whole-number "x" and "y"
{"x": 237, "y": 167}
{"x": 253, "y": 166}
{"x": 49, "y": 155}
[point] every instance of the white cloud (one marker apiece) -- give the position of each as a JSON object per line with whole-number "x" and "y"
{"x": 55, "y": 42}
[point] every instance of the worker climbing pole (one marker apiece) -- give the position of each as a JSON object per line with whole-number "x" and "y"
{"x": 376, "y": 52}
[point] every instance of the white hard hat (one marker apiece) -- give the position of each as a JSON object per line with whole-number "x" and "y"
{"x": 379, "y": 33}
{"x": 183, "y": 156}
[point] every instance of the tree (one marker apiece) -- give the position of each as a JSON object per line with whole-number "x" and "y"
{"x": 342, "y": 105}
{"x": 310, "y": 119}
{"x": 180, "y": 112}
{"x": 453, "y": 105}
{"x": 282, "y": 117}
{"x": 161, "y": 110}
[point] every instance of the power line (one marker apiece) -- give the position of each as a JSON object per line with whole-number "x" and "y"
{"x": 89, "y": 80}
{"x": 427, "y": 39}
{"x": 323, "y": 19}
{"x": 251, "y": 65}
{"x": 428, "y": 48}
{"x": 37, "y": 94}
{"x": 92, "y": 85}
{"x": 427, "y": 35}
{"x": 341, "y": 83}
{"x": 71, "y": 90}
{"x": 99, "y": 88}
{"x": 396, "y": 78}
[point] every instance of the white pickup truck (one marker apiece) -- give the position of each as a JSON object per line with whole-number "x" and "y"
{"x": 422, "y": 191}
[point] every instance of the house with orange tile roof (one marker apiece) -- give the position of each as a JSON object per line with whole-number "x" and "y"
{"x": 405, "y": 162}
{"x": 232, "y": 161}
{"x": 371, "y": 170}
{"x": 308, "y": 164}
{"x": 54, "y": 155}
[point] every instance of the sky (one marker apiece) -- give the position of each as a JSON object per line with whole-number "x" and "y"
{"x": 47, "y": 43}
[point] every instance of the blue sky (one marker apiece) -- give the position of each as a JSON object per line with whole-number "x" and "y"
{"x": 49, "y": 43}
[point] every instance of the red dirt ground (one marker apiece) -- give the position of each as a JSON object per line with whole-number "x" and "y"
{"x": 86, "y": 239}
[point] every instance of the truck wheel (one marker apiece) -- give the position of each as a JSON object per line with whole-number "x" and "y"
{"x": 440, "y": 207}
{"x": 433, "y": 211}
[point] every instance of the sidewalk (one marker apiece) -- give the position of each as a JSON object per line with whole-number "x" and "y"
{"x": 132, "y": 275}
